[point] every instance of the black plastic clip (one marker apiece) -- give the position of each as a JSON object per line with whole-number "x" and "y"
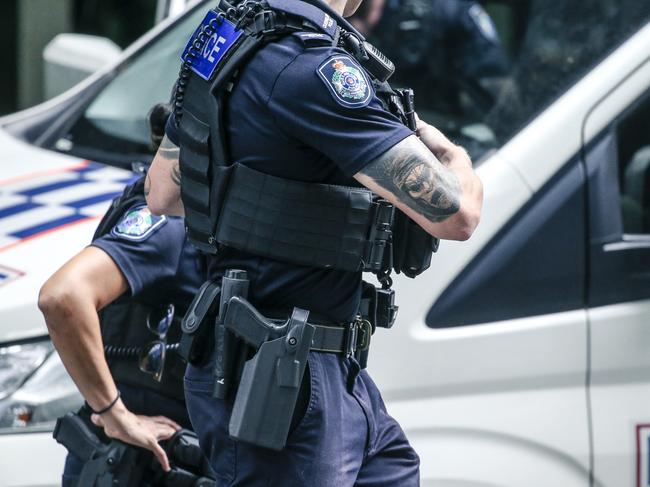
{"x": 351, "y": 339}
{"x": 378, "y": 248}
{"x": 266, "y": 22}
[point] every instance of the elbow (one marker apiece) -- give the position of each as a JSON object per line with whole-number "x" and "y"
{"x": 155, "y": 204}
{"x": 466, "y": 224}
{"x": 462, "y": 225}
{"x": 469, "y": 215}
{"x": 57, "y": 304}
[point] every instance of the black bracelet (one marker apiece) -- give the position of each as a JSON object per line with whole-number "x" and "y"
{"x": 102, "y": 411}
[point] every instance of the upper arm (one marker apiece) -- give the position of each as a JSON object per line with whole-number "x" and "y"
{"x": 91, "y": 275}
{"x": 412, "y": 178}
{"x": 346, "y": 122}
{"x": 163, "y": 183}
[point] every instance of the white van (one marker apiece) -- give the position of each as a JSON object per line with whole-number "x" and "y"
{"x": 520, "y": 359}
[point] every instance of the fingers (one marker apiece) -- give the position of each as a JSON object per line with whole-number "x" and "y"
{"x": 160, "y": 455}
{"x": 97, "y": 420}
{"x": 165, "y": 420}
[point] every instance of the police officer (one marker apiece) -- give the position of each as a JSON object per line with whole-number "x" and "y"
{"x": 441, "y": 48}
{"x": 305, "y": 110}
{"x": 137, "y": 278}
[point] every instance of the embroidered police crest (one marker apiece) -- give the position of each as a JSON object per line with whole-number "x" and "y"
{"x": 138, "y": 224}
{"x": 346, "y": 81}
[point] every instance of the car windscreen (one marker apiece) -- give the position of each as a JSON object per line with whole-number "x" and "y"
{"x": 114, "y": 128}
{"x": 480, "y": 71}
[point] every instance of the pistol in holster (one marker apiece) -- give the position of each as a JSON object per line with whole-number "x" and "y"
{"x": 112, "y": 463}
{"x": 261, "y": 362}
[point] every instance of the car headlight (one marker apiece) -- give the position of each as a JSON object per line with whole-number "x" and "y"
{"x": 35, "y": 388}
{"x": 18, "y": 362}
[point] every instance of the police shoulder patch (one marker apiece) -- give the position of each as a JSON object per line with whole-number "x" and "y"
{"x": 138, "y": 224}
{"x": 346, "y": 81}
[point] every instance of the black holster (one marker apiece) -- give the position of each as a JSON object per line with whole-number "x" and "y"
{"x": 112, "y": 463}
{"x": 267, "y": 361}
{"x": 271, "y": 379}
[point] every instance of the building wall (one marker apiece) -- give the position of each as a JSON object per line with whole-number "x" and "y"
{"x": 8, "y": 56}
{"x": 39, "y": 21}
{"x": 26, "y": 26}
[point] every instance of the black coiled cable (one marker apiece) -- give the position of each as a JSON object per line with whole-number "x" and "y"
{"x": 239, "y": 15}
{"x": 195, "y": 49}
{"x": 124, "y": 352}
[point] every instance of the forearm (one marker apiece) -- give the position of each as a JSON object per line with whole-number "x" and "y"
{"x": 75, "y": 331}
{"x": 162, "y": 187}
{"x": 456, "y": 159}
{"x": 443, "y": 197}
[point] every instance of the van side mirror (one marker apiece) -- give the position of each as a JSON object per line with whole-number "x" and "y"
{"x": 70, "y": 58}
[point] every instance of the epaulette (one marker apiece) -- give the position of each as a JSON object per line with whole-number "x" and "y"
{"x": 313, "y": 39}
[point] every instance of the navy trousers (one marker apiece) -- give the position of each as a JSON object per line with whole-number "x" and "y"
{"x": 342, "y": 435}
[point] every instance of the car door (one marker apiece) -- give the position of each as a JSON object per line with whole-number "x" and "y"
{"x": 618, "y": 164}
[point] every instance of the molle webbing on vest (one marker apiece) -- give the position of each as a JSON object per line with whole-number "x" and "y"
{"x": 311, "y": 224}
{"x": 196, "y": 172}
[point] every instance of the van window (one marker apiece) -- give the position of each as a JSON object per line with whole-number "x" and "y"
{"x": 634, "y": 169}
{"x": 481, "y": 74}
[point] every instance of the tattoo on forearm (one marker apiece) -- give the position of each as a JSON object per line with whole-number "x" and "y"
{"x": 176, "y": 174}
{"x": 147, "y": 185}
{"x": 417, "y": 179}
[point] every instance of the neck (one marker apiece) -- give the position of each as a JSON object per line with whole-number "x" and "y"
{"x": 337, "y": 5}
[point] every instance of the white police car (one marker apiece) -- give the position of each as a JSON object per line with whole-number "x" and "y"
{"x": 522, "y": 358}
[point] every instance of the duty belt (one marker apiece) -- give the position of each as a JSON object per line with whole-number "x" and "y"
{"x": 345, "y": 338}
{"x": 261, "y": 360}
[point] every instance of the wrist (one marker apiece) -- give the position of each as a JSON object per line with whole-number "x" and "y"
{"x": 116, "y": 412}
{"x": 107, "y": 407}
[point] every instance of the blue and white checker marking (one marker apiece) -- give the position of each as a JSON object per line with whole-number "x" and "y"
{"x": 34, "y": 205}
{"x": 7, "y": 275}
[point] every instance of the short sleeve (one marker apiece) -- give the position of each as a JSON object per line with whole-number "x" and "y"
{"x": 145, "y": 247}
{"x": 326, "y": 101}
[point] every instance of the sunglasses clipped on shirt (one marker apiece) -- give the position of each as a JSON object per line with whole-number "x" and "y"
{"x": 152, "y": 356}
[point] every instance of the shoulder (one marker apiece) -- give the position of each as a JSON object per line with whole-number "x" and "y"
{"x": 321, "y": 70}
{"x": 145, "y": 247}
{"x": 138, "y": 224}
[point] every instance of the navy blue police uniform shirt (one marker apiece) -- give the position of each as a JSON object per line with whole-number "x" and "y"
{"x": 152, "y": 252}
{"x": 309, "y": 113}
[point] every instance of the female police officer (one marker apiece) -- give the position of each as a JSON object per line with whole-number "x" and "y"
{"x": 303, "y": 109}
{"x": 137, "y": 277}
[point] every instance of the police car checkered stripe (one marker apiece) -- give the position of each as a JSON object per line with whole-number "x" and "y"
{"x": 34, "y": 205}
{"x": 7, "y": 275}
